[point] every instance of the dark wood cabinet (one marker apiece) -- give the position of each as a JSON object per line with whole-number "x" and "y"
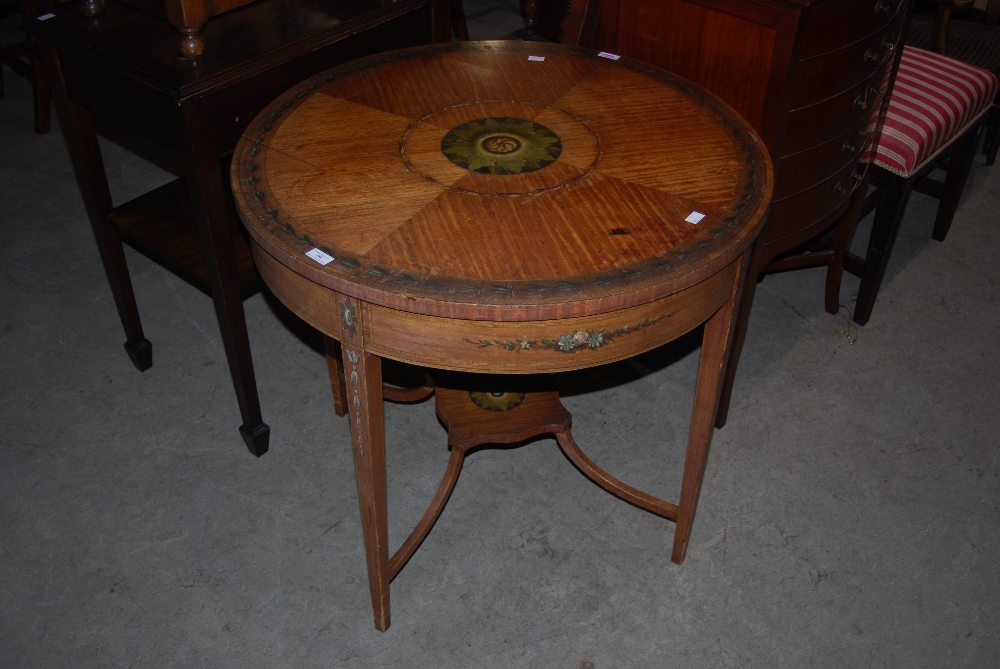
{"x": 811, "y": 76}
{"x": 122, "y": 67}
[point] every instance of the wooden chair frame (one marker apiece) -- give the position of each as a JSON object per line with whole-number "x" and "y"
{"x": 889, "y": 202}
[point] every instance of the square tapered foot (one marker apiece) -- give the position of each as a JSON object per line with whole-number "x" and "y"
{"x": 256, "y": 438}
{"x": 140, "y": 352}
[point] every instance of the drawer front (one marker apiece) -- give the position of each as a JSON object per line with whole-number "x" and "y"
{"x": 838, "y": 71}
{"x": 805, "y": 169}
{"x": 800, "y": 211}
{"x": 831, "y": 26}
{"x": 814, "y": 125}
{"x": 781, "y": 239}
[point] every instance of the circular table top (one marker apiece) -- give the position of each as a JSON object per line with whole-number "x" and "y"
{"x": 501, "y": 181}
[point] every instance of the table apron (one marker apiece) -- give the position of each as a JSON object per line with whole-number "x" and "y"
{"x": 313, "y": 303}
{"x": 520, "y": 347}
{"x": 543, "y": 346}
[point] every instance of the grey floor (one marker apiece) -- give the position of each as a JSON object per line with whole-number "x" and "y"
{"x": 849, "y": 515}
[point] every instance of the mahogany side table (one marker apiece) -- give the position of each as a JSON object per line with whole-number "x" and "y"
{"x": 123, "y": 66}
{"x": 502, "y": 207}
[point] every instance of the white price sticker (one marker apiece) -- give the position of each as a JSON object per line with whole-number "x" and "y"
{"x": 537, "y": 59}
{"x": 609, "y": 56}
{"x": 321, "y": 257}
{"x": 695, "y": 217}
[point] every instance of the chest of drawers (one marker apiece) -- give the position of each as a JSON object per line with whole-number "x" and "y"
{"x": 811, "y": 76}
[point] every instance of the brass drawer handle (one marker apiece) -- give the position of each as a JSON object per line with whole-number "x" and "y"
{"x": 890, "y": 11}
{"x": 859, "y": 176}
{"x": 871, "y": 56}
{"x": 840, "y": 189}
{"x": 888, "y": 45}
{"x": 861, "y": 102}
{"x": 856, "y": 147}
{"x": 886, "y": 6}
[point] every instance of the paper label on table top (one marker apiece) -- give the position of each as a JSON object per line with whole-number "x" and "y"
{"x": 536, "y": 58}
{"x": 609, "y": 56}
{"x": 695, "y": 217}
{"x": 321, "y": 257}
{"x": 46, "y": 17}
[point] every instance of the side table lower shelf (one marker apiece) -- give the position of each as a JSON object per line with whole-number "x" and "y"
{"x": 161, "y": 223}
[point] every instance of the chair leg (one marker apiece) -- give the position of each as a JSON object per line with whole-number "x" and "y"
{"x": 992, "y": 141}
{"x": 841, "y": 243}
{"x": 888, "y": 215}
{"x": 41, "y": 90}
{"x": 962, "y": 154}
{"x": 35, "y": 71}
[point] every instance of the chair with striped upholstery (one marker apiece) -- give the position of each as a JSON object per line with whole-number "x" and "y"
{"x": 969, "y": 32}
{"x": 937, "y": 103}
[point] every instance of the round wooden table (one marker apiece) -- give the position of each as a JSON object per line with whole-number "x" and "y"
{"x": 501, "y": 207}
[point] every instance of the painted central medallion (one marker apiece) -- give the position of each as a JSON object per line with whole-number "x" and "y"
{"x": 491, "y": 148}
{"x": 501, "y": 146}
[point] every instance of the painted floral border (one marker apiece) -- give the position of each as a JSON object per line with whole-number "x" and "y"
{"x": 570, "y": 342}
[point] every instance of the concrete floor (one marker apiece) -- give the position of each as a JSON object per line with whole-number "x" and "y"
{"x": 849, "y": 515}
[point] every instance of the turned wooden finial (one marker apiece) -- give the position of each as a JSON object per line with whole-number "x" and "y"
{"x": 191, "y": 43}
{"x": 531, "y": 19}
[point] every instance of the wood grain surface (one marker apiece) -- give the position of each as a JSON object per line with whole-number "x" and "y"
{"x": 354, "y": 162}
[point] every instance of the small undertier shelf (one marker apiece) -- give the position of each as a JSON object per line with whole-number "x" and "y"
{"x": 160, "y": 222}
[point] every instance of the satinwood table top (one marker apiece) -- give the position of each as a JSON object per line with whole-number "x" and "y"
{"x": 501, "y": 181}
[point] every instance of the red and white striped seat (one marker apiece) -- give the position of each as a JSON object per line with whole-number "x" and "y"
{"x": 935, "y": 99}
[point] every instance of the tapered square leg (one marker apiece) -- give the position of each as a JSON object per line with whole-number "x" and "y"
{"x": 711, "y": 368}
{"x": 363, "y": 373}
